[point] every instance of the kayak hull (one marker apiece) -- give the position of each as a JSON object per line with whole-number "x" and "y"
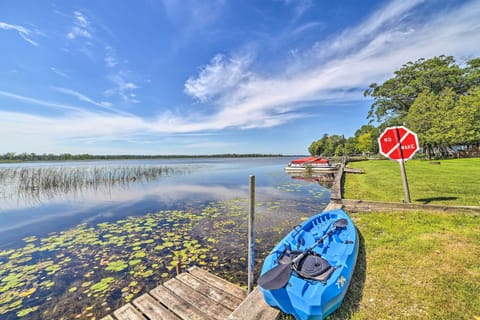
{"x": 313, "y": 299}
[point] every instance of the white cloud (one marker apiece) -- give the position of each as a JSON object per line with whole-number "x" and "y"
{"x": 81, "y": 20}
{"x": 306, "y": 26}
{"x": 39, "y": 102}
{"x": 193, "y": 15}
{"x": 81, "y": 27}
{"x": 22, "y": 31}
{"x": 357, "y": 57}
{"x": 60, "y": 73}
{"x": 123, "y": 88}
{"x": 387, "y": 19}
{"x": 220, "y": 75}
{"x": 299, "y": 6}
{"x": 103, "y": 104}
{"x": 332, "y": 71}
{"x": 110, "y": 57}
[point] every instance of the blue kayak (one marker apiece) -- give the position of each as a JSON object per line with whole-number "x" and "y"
{"x": 319, "y": 278}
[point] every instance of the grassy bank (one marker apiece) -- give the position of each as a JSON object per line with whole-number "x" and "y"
{"x": 446, "y": 182}
{"x": 415, "y": 266}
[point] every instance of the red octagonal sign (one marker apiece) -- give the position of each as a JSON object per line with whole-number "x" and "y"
{"x": 398, "y": 143}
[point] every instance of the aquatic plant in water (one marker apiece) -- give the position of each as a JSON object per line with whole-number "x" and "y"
{"x": 93, "y": 263}
{"x": 35, "y": 183}
{"x": 90, "y": 270}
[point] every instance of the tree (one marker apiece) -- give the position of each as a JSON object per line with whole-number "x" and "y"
{"x": 420, "y": 120}
{"x": 364, "y": 143}
{"x": 395, "y": 96}
{"x": 332, "y": 145}
{"x": 350, "y": 147}
{"x": 327, "y": 146}
{"x": 472, "y": 74}
{"x": 317, "y": 148}
{"x": 436, "y": 98}
{"x": 445, "y": 120}
{"x": 442, "y": 130}
{"x": 9, "y": 156}
{"x": 433, "y": 118}
{"x": 366, "y": 139}
{"x": 467, "y": 121}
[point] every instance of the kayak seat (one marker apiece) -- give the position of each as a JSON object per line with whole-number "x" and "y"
{"x": 311, "y": 266}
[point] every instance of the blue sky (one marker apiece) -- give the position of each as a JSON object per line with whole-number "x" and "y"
{"x": 208, "y": 76}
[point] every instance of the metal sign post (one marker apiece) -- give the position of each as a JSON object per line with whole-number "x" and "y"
{"x": 399, "y": 144}
{"x": 402, "y": 169}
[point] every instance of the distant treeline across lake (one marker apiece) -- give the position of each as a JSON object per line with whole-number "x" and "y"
{"x": 12, "y": 156}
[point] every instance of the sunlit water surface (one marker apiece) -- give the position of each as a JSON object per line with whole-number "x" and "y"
{"x": 82, "y": 251}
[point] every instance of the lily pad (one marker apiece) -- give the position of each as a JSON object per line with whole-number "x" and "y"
{"x": 117, "y": 266}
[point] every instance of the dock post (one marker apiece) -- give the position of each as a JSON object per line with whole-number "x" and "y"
{"x": 251, "y": 235}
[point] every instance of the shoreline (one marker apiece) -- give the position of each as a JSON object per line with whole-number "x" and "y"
{"x": 86, "y": 157}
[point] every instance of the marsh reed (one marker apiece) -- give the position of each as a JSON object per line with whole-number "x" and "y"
{"x": 50, "y": 181}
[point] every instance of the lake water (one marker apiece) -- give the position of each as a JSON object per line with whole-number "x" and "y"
{"x": 84, "y": 250}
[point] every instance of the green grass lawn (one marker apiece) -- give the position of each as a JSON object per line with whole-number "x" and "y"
{"x": 414, "y": 265}
{"x": 420, "y": 265}
{"x": 452, "y": 182}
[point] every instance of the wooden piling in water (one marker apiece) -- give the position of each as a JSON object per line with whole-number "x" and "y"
{"x": 251, "y": 236}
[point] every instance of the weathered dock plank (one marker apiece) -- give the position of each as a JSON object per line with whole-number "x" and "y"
{"x": 222, "y": 297}
{"x": 353, "y": 170}
{"x": 204, "y": 303}
{"x": 153, "y": 309}
{"x": 336, "y": 190}
{"x": 254, "y": 308}
{"x": 218, "y": 282}
{"x": 196, "y": 295}
{"x": 128, "y": 312}
{"x": 178, "y": 305}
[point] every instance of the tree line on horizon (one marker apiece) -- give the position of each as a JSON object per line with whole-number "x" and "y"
{"x": 436, "y": 98}
{"x": 12, "y": 156}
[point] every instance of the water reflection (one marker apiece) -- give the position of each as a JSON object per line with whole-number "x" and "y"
{"x": 32, "y": 185}
{"x": 108, "y": 203}
{"x": 324, "y": 179}
{"x": 84, "y": 253}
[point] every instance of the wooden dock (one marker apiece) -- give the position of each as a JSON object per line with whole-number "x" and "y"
{"x": 353, "y": 170}
{"x": 196, "y": 294}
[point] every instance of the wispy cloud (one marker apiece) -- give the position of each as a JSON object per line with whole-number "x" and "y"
{"x": 123, "y": 88}
{"x": 22, "y": 31}
{"x": 84, "y": 29}
{"x": 40, "y": 102}
{"x": 81, "y": 27}
{"x": 306, "y": 26}
{"x": 103, "y": 104}
{"x": 195, "y": 13}
{"x": 352, "y": 60}
{"x": 110, "y": 57}
{"x": 333, "y": 70}
{"x": 390, "y": 18}
{"x": 191, "y": 18}
{"x": 299, "y": 6}
{"x": 81, "y": 35}
{"x": 60, "y": 73}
